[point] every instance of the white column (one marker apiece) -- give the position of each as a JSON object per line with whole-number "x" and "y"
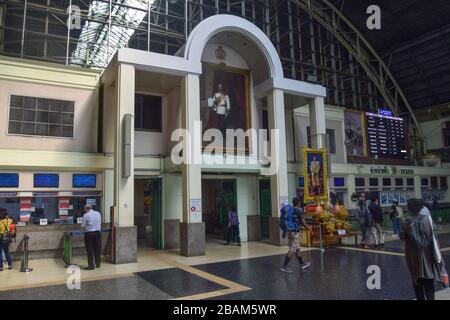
{"x": 351, "y": 188}
{"x": 173, "y": 212}
{"x": 191, "y": 172}
{"x": 418, "y": 187}
{"x": 173, "y": 196}
{"x": 192, "y": 229}
{"x": 279, "y": 181}
{"x": 247, "y": 189}
{"x": 108, "y": 194}
{"x": 317, "y": 122}
{"x": 124, "y": 186}
{"x": 292, "y": 184}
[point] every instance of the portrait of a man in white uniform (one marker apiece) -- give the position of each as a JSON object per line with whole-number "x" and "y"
{"x": 225, "y": 99}
{"x": 220, "y": 108}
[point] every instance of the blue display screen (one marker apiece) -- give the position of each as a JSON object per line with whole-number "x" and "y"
{"x": 339, "y": 182}
{"x": 385, "y": 112}
{"x": 9, "y": 180}
{"x": 46, "y": 180}
{"x": 84, "y": 180}
{"x": 301, "y": 182}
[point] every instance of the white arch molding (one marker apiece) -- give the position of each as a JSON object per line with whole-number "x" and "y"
{"x": 216, "y": 24}
{"x": 190, "y": 60}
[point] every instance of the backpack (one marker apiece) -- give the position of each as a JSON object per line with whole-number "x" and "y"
{"x": 289, "y": 219}
{"x": 6, "y": 237}
{"x": 363, "y": 215}
{"x": 400, "y": 213}
{"x": 418, "y": 234}
{"x": 369, "y": 218}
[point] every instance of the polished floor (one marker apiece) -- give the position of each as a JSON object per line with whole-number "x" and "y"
{"x": 227, "y": 272}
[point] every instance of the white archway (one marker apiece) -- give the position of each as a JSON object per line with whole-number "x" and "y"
{"x": 214, "y": 25}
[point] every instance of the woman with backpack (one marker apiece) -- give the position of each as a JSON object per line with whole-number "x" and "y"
{"x": 422, "y": 254}
{"x": 5, "y": 237}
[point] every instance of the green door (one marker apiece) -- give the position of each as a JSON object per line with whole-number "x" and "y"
{"x": 265, "y": 207}
{"x": 156, "y": 215}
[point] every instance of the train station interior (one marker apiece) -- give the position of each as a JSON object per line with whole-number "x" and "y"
{"x": 194, "y": 127}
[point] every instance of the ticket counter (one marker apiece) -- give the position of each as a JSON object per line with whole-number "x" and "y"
{"x": 45, "y": 205}
{"x": 48, "y": 241}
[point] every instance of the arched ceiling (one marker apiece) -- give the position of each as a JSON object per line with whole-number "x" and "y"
{"x": 248, "y": 51}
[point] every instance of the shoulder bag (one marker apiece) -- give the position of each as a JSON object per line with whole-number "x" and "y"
{"x": 5, "y": 237}
{"x": 436, "y": 250}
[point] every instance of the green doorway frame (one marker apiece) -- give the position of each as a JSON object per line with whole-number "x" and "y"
{"x": 265, "y": 207}
{"x": 225, "y": 199}
{"x": 155, "y": 218}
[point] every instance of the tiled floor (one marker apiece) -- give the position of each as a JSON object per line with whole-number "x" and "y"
{"x": 226, "y": 272}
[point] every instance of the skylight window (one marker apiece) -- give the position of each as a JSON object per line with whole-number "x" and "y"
{"x": 98, "y": 42}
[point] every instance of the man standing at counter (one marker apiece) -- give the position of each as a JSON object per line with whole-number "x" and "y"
{"x": 92, "y": 222}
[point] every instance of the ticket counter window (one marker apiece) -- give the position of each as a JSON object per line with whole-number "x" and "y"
{"x": 49, "y": 208}
{"x": 44, "y": 208}
{"x": 12, "y": 206}
{"x": 78, "y": 204}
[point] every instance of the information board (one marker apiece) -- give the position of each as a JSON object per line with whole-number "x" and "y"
{"x": 84, "y": 180}
{"x": 9, "y": 180}
{"x": 46, "y": 180}
{"x": 386, "y": 136}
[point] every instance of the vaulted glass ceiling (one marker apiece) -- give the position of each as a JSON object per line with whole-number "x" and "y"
{"x": 98, "y": 42}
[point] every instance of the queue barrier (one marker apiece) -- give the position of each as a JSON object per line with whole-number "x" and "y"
{"x": 24, "y": 260}
{"x": 67, "y": 245}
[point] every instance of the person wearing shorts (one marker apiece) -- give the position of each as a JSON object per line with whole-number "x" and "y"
{"x": 291, "y": 220}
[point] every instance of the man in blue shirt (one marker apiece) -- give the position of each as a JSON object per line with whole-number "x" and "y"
{"x": 92, "y": 224}
{"x": 290, "y": 221}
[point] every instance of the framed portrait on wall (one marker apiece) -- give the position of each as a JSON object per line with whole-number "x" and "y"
{"x": 225, "y": 99}
{"x": 355, "y": 133}
{"x": 316, "y": 175}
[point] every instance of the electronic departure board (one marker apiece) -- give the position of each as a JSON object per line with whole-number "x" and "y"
{"x": 386, "y": 136}
{"x": 84, "y": 180}
{"x": 46, "y": 180}
{"x": 9, "y": 180}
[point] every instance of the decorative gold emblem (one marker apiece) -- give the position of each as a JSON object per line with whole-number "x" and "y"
{"x": 220, "y": 53}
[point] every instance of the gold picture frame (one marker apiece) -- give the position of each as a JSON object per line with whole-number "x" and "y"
{"x": 210, "y": 67}
{"x": 362, "y": 118}
{"x": 316, "y": 185}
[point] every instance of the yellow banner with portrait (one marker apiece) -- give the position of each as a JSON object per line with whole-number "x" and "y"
{"x": 315, "y": 169}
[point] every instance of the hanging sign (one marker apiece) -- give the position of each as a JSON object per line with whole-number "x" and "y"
{"x": 92, "y": 202}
